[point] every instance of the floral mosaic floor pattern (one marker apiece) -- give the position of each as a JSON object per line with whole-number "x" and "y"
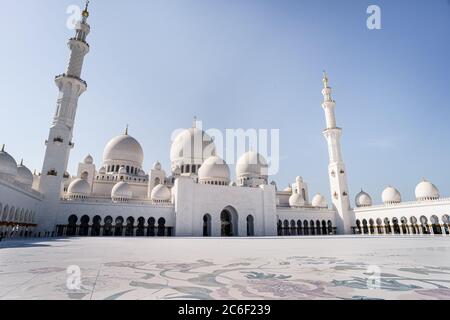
{"x": 258, "y": 268}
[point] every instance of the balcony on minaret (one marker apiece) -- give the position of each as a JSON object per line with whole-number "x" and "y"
{"x": 63, "y": 75}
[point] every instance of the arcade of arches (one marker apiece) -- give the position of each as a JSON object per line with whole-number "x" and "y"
{"x": 118, "y": 227}
{"x": 305, "y": 228}
{"x": 413, "y": 225}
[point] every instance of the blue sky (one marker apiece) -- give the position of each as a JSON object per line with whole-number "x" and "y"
{"x": 242, "y": 64}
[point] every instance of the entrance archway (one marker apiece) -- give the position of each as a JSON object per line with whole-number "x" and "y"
{"x": 229, "y": 222}
{"x": 251, "y": 226}
{"x": 207, "y": 225}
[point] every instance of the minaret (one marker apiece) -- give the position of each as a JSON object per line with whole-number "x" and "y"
{"x": 336, "y": 168}
{"x": 71, "y": 87}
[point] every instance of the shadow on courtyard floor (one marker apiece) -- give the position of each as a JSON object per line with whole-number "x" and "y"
{"x": 32, "y": 243}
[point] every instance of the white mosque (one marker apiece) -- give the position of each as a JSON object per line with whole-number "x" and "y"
{"x": 197, "y": 198}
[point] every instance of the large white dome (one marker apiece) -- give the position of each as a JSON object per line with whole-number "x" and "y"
{"x": 121, "y": 192}
{"x": 391, "y": 195}
{"x": 8, "y": 165}
{"x": 363, "y": 199}
{"x": 425, "y": 190}
{"x": 319, "y": 201}
{"x": 24, "y": 175}
{"x": 79, "y": 187}
{"x": 191, "y": 146}
{"x": 160, "y": 193}
{"x": 124, "y": 148}
{"x": 252, "y": 164}
{"x": 214, "y": 169}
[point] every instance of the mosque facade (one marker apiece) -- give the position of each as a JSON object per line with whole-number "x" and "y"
{"x": 196, "y": 197}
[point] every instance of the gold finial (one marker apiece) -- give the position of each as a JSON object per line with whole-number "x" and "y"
{"x": 325, "y": 79}
{"x": 86, "y": 10}
{"x": 126, "y": 130}
{"x": 3, "y": 148}
{"x": 21, "y": 162}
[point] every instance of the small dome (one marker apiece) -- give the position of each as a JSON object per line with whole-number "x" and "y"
{"x": 296, "y": 200}
{"x": 88, "y": 159}
{"x": 319, "y": 201}
{"x": 425, "y": 190}
{"x": 161, "y": 193}
{"x": 253, "y": 164}
{"x": 363, "y": 199}
{"x": 24, "y": 175}
{"x": 121, "y": 192}
{"x": 157, "y": 166}
{"x": 79, "y": 187}
{"x": 141, "y": 173}
{"x": 391, "y": 195}
{"x": 102, "y": 170}
{"x": 122, "y": 170}
{"x": 288, "y": 189}
{"x": 124, "y": 148}
{"x": 215, "y": 169}
{"x": 8, "y": 165}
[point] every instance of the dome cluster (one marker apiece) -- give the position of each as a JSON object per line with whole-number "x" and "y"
{"x": 425, "y": 191}
{"x": 13, "y": 172}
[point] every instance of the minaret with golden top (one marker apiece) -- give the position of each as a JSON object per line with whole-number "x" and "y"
{"x": 336, "y": 169}
{"x": 71, "y": 86}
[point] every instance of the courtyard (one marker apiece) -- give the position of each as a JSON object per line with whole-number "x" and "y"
{"x": 338, "y": 267}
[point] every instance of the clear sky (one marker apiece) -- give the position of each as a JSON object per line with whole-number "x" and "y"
{"x": 242, "y": 64}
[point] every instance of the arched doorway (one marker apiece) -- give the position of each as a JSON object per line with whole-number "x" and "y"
{"x": 151, "y": 227}
{"x": 129, "y": 230}
{"x": 161, "y": 227}
{"x": 118, "y": 230}
{"x": 251, "y": 226}
{"x": 229, "y": 222}
{"x": 140, "y": 227}
{"x": 435, "y": 225}
{"x": 207, "y": 225}
{"x": 95, "y": 232}
{"x": 84, "y": 227}
{"x": 72, "y": 227}
{"x": 108, "y": 229}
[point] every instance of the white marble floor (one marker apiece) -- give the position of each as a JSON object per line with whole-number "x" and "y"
{"x": 269, "y": 268}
